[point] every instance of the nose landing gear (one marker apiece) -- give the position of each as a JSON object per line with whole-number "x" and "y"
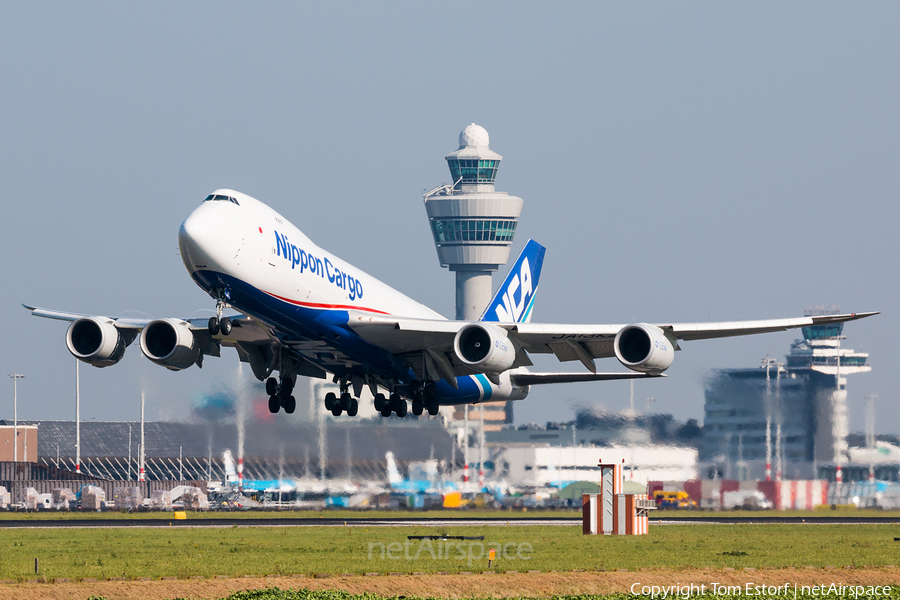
{"x": 218, "y": 323}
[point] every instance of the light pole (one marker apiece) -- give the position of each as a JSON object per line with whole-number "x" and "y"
{"x": 837, "y": 444}
{"x": 481, "y": 448}
{"x": 129, "y": 452}
{"x": 870, "y": 434}
{"x": 16, "y": 377}
{"x": 767, "y": 362}
{"x": 77, "y": 418}
{"x": 141, "y": 463}
{"x": 466, "y": 446}
{"x": 631, "y": 397}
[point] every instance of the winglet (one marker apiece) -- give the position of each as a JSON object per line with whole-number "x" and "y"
{"x": 826, "y": 319}
{"x": 514, "y": 301}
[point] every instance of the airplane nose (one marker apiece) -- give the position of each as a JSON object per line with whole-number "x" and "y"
{"x": 193, "y": 232}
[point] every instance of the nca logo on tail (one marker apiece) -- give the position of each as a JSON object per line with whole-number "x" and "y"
{"x": 515, "y": 298}
{"x": 510, "y": 310}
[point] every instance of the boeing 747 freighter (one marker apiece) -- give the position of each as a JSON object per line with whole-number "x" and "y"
{"x": 305, "y": 312}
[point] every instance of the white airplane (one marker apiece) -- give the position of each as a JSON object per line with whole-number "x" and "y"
{"x": 306, "y": 312}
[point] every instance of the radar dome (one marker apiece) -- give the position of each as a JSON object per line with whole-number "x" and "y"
{"x": 474, "y": 136}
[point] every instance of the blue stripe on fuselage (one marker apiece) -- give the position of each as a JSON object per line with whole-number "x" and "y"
{"x": 299, "y": 322}
{"x": 485, "y": 385}
{"x": 469, "y": 392}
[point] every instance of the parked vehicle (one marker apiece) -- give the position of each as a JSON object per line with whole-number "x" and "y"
{"x": 746, "y": 500}
{"x": 678, "y": 500}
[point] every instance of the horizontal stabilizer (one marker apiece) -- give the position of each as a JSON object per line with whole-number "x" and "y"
{"x": 539, "y": 378}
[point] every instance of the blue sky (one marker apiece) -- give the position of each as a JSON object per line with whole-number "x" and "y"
{"x": 681, "y": 162}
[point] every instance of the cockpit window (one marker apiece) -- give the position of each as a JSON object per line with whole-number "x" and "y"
{"x": 221, "y": 198}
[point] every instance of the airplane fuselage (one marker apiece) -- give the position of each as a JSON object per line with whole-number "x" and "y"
{"x": 239, "y": 249}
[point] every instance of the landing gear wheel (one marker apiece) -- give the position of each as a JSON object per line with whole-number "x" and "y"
{"x": 354, "y": 408}
{"x": 274, "y": 404}
{"x": 380, "y": 401}
{"x": 290, "y": 404}
{"x": 431, "y": 401}
{"x": 418, "y": 406}
{"x": 271, "y": 386}
{"x": 213, "y": 326}
{"x": 330, "y": 401}
{"x": 287, "y": 386}
{"x": 399, "y": 405}
{"x": 433, "y": 407}
{"x": 336, "y": 409}
{"x": 346, "y": 401}
{"x": 392, "y": 405}
{"x": 225, "y": 326}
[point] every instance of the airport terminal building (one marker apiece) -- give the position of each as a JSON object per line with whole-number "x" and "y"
{"x": 781, "y": 420}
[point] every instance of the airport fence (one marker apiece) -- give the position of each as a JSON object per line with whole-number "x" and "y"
{"x": 18, "y": 489}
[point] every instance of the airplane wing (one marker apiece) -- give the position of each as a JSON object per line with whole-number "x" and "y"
{"x": 120, "y": 323}
{"x": 568, "y": 342}
{"x": 245, "y": 328}
{"x": 598, "y": 339}
{"x": 426, "y": 344}
{"x": 248, "y": 336}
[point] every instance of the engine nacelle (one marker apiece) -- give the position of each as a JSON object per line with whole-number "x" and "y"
{"x": 644, "y": 348}
{"x": 484, "y": 348}
{"x": 170, "y": 343}
{"x": 96, "y": 341}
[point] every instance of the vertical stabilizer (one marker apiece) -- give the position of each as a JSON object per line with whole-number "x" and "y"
{"x": 228, "y": 462}
{"x": 514, "y": 301}
{"x": 392, "y": 471}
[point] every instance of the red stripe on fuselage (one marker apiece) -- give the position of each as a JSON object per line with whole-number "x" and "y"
{"x": 331, "y": 306}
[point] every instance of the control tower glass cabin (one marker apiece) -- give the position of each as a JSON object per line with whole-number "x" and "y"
{"x": 472, "y": 223}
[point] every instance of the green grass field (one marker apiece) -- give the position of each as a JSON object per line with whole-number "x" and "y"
{"x": 235, "y": 551}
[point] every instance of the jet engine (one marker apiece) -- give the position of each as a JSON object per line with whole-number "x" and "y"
{"x": 170, "y": 343}
{"x": 97, "y": 341}
{"x": 484, "y": 348}
{"x": 644, "y": 348}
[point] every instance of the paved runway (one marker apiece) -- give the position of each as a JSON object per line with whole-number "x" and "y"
{"x": 411, "y": 521}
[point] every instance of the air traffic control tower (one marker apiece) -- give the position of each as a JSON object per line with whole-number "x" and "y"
{"x": 473, "y": 224}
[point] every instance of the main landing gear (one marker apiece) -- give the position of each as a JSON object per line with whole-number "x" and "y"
{"x": 344, "y": 403}
{"x": 219, "y": 324}
{"x": 280, "y": 395}
{"x": 394, "y": 404}
{"x": 423, "y": 398}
